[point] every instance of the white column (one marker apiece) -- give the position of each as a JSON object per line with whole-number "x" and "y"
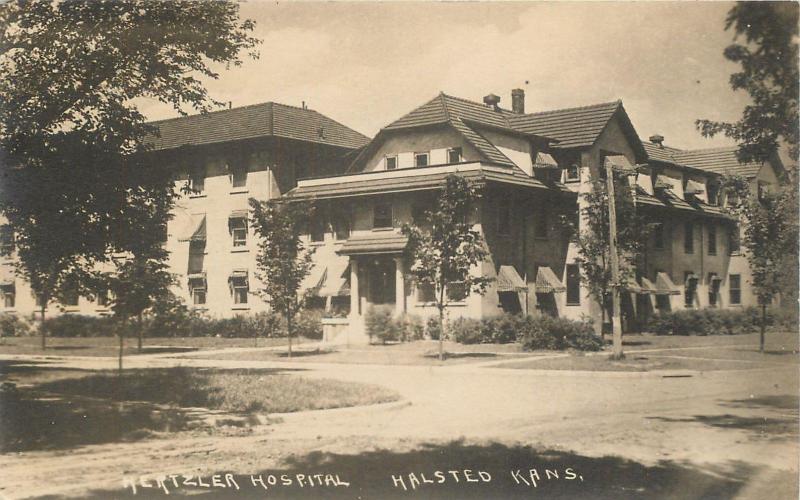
{"x": 399, "y": 287}
{"x": 354, "y": 293}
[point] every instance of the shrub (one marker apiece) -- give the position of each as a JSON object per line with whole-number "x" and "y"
{"x": 720, "y": 321}
{"x": 13, "y": 326}
{"x": 467, "y": 331}
{"x": 308, "y": 324}
{"x": 432, "y": 328}
{"x": 381, "y": 324}
{"x": 76, "y": 325}
{"x": 413, "y": 328}
{"x": 546, "y": 332}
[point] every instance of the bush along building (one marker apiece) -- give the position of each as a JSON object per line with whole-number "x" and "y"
{"x": 532, "y": 167}
{"x": 225, "y": 158}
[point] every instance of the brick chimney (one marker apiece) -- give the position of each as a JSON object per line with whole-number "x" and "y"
{"x": 657, "y": 139}
{"x": 518, "y": 101}
{"x": 492, "y": 100}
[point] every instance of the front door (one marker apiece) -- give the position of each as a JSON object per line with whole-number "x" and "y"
{"x": 381, "y": 272}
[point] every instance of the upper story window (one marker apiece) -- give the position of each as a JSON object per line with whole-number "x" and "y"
{"x": 658, "y": 236}
{"x": 6, "y": 240}
{"x": 504, "y": 217}
{"x": 573, "y": 172}
{"x": 712, "y": 239}
{"x": 70, "y": 298}
{"x": 238, "y": 175}
{"x": 341, "y": 223}
{"x": 540, "y": 225}
{"x": 454, "y": 155}
{"x": 733, "y": 240}
{"x": 688, "y": 237}
{"x": 318, "y": 226}
{"x": 713, "y": 193}
{"x": 573, "y": 284}
{"x": 240, "y": 288}
{"x": 382, "y": 216}
{"x": 391, "y": 162}
{"x": 238, "y": 229}
{"x": 9, "y": 296}
{"x": 421, "y": 159}
{"x": 197, "y": 179}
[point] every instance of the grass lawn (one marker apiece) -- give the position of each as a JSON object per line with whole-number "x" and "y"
{"x": 64, "y": 408}
{"x": 109, "y": 346}
{"x": 422, "y": 352}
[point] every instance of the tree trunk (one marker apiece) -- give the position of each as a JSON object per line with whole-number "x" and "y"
{"x": 141, "y": 333}
{"x": 763, "y": 327}
{"x": 42, "y": 329}
{"x": 121, "y": 335}
{"x": 441, "y": 333}
{"x": 289, "y": 332}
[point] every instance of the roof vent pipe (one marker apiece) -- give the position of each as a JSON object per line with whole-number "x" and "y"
{"x": 657, "y": 139}
{"x": 492, "y": 100}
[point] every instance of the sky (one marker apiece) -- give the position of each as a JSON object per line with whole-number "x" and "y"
{"x": 366, "y": 64}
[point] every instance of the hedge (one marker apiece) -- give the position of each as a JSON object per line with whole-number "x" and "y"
{"x": 720, "y": 321}
{"x": 382, "y": 324}
{"x": 533, "y": 332}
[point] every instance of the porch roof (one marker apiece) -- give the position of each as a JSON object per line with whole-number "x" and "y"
{"x": 374, "y": 243}
{"x": 414, "y": 179}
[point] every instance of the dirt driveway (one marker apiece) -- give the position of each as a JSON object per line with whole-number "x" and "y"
{"x": 628, "y": 435}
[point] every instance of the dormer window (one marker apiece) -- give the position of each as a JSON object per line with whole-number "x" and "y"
{"x": 421, "y": 159}
{"x": 391, "y": 162}
{"x": 573, "y": 172}
{"x": 454, "y": 155}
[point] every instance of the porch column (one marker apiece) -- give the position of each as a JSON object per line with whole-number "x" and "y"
{"x": 399, "y": 287}
{"x": 355, "y": 310}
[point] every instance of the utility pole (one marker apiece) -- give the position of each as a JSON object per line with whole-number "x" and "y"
{"x": 616, "y": 323}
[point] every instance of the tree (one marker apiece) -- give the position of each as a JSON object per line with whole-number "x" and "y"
{"x": 594, "y": 247}
{"x": 69, "y": 127}
{"x": 770, "y": 235}
{"x": 769, "y": 61}
{"x": 444, "y": 250}
{"x": 283, "y": 259}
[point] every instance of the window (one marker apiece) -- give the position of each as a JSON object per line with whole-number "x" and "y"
{"x": 102, "y": 298}
{"x": 6, "y": 240}
{"x": 573, "y": 172}
{"x": 456, "y": 292}
{"x": 688, "y": 237}
{"x": 540, "y": 225}
{"x": 197, "y": 252}
{"x": 418, "y": 215}
{"x": 318, "y": 227}
{"x": 425, "y": 292}
{"x": 421, "y": 159}
{"x": 573, "y": 285}
{"x": 391, "y": 162}
{"x": 712, "y": 239}
{"x": 238, "y": 175}
{"x": 454, "y": 155}
{"x": 38, "y": 299}
{"x": 197, "y": 179}
{"x": 735, "y": 289}
{"x": 70, "y": 298}
{"x": 382, "y": 216}
{"x": 240, "y": 287}
{"x": 504, "y": 217}
{"x": 733, "y": 240}
{"x": 690, "y": 286}
{"x": 713, "y": 193}
{"x": 9, "y": 296}
{"x": 238, "y": 229}
{"x": 713, "y": 289}
{"x": 341, "y": 224}
{"x": 658, "y": 236}
{"x": 198, "y": 289}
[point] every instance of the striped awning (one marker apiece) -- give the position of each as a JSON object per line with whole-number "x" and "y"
{"x": 336, "y": 279}
{"x": 238, "y": 214}
{"x": 665, "y": 286}
{"x": 693, "y": 187}
{"x": 647, "y": 286}
{"x": 632, "y": 287}
{"x": 544, "y": 160}
{"x": 508, "y": 280}
{"x": 548, "y": 282}
{"x": 195, "y": 229}
{"x": 314, "y": 280}
{"x": 691, "y": 279}
{"x": 238, "y": 273}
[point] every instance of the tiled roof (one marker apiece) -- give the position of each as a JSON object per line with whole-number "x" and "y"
{"x": 718, "y": 160}
{"x": 669, "y": 200}
{"x": 573, "y": 127}
{"x": 443, "y": 108}
{"x": 484, "y": 147}
{"x": 368, "y": 184}
{"x": 258, "y": 120}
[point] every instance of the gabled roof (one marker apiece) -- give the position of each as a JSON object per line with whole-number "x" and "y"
{"x": 573, "y": 127}
{"x": 722, "y": 161}
{"x": 269, "y": 119}
{"x": 443, "y": 108}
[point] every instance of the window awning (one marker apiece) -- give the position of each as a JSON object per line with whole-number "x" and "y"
{"x": 544, "y": 160}
{"x": 238, "y": 214}
{"x": 716, "y": 278}
{"x": 662, "y": 182}
{"x": 620, "y": 164}
{"x": 648, "y": 286}
{"x": 336, "y": 283}
{"x": 548, "y": 282}
{"x": 691, "y": 280}
{"x": 314, "y": 280}
{"x": 6, "y": 276}
{"x": 195, "y": 229}
{"x": 693, "y": 187}
{"x": 633, "y": 287}
{"x": 238, "y": 273}
{"x": 665, "y": 286}
{"x": 374, "y": 243}
{"x": 508, "y": 280}
{"x": 196, "y": 276}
